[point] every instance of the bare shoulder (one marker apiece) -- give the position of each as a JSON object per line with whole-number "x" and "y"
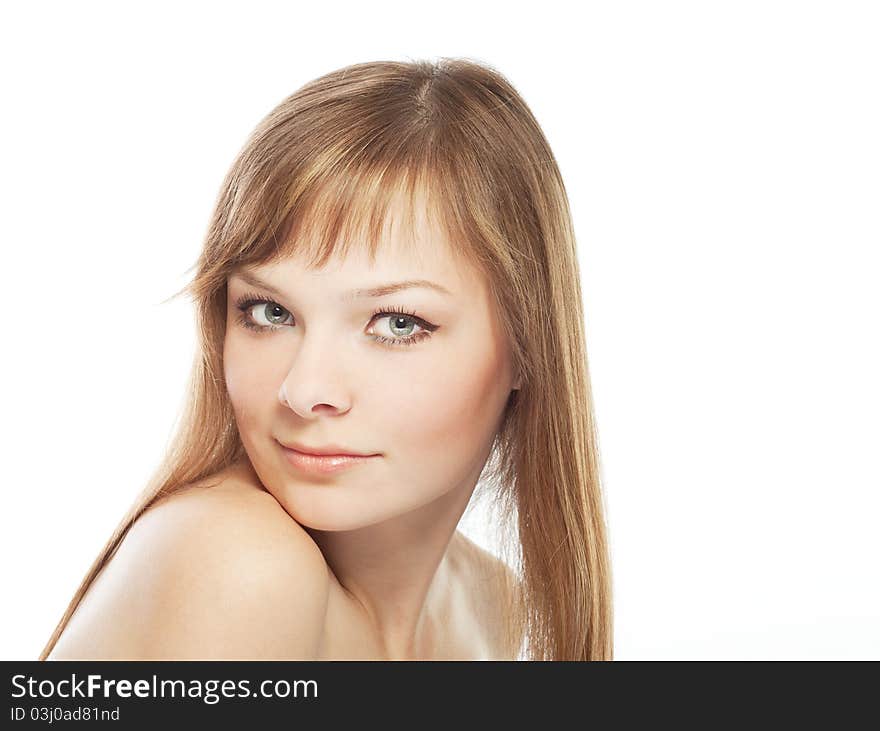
{"x": 207, "y": 572}
{"x": 494, "y": 590}
{"x": 485, "y": 567}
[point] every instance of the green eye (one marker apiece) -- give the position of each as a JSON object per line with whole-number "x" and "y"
{"x": 400, "y": 322}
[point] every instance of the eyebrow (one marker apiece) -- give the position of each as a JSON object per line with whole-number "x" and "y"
{"x": 371, "y": 292}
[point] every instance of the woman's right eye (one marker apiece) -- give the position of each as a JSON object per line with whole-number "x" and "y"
{"x": 265, "y": 311}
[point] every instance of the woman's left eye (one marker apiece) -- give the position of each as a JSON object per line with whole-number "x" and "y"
{"x": 401, "y": 328}
{"x": 400, "y": 324}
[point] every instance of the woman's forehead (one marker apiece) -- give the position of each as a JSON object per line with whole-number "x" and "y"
{"x": 426, "y": 257}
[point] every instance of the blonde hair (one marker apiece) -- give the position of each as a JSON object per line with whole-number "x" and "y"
{"x": 321, "y": 170}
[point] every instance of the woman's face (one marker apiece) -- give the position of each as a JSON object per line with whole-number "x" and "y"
{"x": 427, "y": 400}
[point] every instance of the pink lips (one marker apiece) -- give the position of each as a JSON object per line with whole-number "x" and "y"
{"x": 323, "y": 464}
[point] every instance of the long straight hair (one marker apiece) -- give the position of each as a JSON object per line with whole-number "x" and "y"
{"x": 319, "y": 172}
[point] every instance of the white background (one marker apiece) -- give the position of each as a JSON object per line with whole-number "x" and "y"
{"x": 723, "y": 167}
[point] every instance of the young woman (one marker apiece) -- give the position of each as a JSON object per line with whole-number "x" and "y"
{"x": 389, "y": 314}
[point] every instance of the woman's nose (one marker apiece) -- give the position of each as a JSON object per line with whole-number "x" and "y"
{"x": 312, "y": 385}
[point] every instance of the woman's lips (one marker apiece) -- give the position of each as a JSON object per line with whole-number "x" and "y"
{"x": 322, "y": 464}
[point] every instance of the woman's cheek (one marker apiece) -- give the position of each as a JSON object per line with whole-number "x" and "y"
{"x": 247, "y": 387}
{"x": 249, "y": 371}
{"x": 455, "y": 406}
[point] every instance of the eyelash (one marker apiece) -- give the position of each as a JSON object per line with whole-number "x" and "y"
{"x": 248, "y": 301}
